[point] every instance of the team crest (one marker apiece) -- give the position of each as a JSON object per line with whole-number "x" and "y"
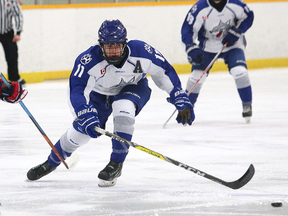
{"x": 86, "y": 59}
{"x": 221, "y": 29}
{"x": 194, "y": 9}
{"x": 148, "y": 48}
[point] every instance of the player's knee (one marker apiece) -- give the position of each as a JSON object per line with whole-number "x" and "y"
{"x": 195, "y": 75}
{"x": 193, "y": 78}
{"x": 241, "y": 77}
{"x": 238, "y": 72}
{"x": 72, "y": 139}
{"x": 124, "y": 116}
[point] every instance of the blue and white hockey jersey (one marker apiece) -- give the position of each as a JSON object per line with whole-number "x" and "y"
{"x": 206, "y": 26}
{"x": 92, "y": 72}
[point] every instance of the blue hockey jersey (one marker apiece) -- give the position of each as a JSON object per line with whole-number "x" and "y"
{"x": 92, "y": 72}
{"x": 206, "y": 26}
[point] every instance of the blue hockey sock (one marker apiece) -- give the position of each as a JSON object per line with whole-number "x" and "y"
{"x": 53, "y": 159}
{"x": 120, "y": 150}
{"x": 193, "y": 98}
{"x": 245, "y": 95}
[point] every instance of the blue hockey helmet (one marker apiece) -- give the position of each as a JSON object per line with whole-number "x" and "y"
{"x": 112, "y": 32}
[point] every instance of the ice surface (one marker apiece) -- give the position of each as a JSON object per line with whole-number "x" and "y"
{"x": 219, "y": 143}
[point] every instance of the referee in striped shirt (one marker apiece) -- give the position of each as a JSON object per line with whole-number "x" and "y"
{"x": 9, "y": 10}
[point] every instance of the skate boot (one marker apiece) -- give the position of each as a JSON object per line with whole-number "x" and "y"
{"x": 39, "y": 171}
{"x": 108, "y": 176}
{"x": 247, "y": 113}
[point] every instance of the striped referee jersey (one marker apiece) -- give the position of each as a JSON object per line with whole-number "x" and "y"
{"x": 10, "y": 9}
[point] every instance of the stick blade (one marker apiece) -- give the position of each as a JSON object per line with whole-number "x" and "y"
{"x": 243, "y": 180}
{"x": 72, "y": 160}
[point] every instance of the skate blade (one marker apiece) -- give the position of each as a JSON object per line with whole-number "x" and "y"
{"x": 103, "y": 183}
{"x": 247, "y": 119}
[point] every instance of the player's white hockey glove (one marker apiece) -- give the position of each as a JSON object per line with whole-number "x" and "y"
{"x": 232, "y": 36}
{"x": 179, "y": 98}
{"x": 194, "y": 54}
{"x": 87, "y": 119}
{"x": 12, "y": 94}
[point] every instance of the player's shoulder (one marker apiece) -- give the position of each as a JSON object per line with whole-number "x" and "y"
{"x": 199, "y": 6}
{"x": 237, "y": 2}
{"x": 139, "y": 48}
{"x": 136, "y": 44}
{"x": 202, "y": 3}
{"x": 90, "y": 56}
{"x": 144, "y": 51}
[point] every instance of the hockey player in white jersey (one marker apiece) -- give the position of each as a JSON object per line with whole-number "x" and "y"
{"x": 110, "y": 78}
{"x": 208, "y": 25}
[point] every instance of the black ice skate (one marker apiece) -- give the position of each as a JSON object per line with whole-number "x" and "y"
{"x": 39, "y": 171}
{"x": 108, "y": 176}
{"x": 247, "y": 113}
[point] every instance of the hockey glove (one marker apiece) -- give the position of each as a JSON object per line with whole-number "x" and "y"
{"x": 232, "y": 36}
{"x": 12, "y": 94}
{"x": 179, "y": 98}
{"x": 195, "y": 55}
{"x": 87, "y": 119}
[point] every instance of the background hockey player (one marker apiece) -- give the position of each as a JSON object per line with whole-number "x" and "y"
{"x": 208, "y": 25}
{"x": 110, "y": 78}
{"x": 12, "y": 94}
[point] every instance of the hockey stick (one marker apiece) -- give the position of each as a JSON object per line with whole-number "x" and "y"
{"x": 191, "y": 89}
{"x": 233, "y": 185}
{"x": 36, "y": 124}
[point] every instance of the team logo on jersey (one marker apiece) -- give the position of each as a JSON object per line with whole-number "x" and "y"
{"x": 86, "y": 59}
{"x": 194, "y": 9}
{"x": 103, "y": 71}
{"x": 148, "y": 48}
{"x": 221, "y": 29}
{"x": 123, "y": 83}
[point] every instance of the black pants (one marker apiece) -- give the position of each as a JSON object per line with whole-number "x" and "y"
{"x": 11, "y": 55}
